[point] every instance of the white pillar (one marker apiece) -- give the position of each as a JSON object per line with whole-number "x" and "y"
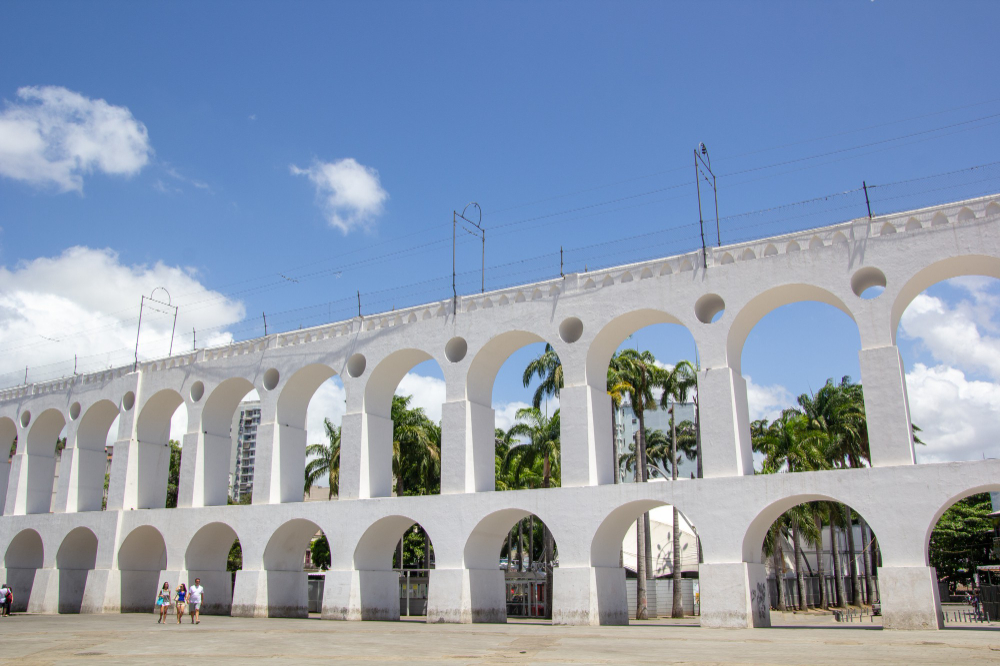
{"x": 585, "y": 414}
{"x": 734, "y": 595}
{"x": 350, "y": 594}
{"x": 887, "y": 410}
{"x": 4, "y": 476}
{"x": 909, "y": 598}
{"x": 463, "y": 596}
{"x": 81, "y": 479}
{"x": 365, "y": 456}
{"x": 725, "y": 423}
{"x": 467, "y": 447}
{"x": 589, "y": 596}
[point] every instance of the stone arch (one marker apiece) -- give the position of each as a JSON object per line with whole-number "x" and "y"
{"x": 487, "y": 363}
{"x": 913, "y": 224}
{"x": 747, "y": 255}
{"x": 763, "y": 304}
{"x": 25, "y": 554}
{"x": 289, "y": 448}
{"x": 8, "y": 435}
{"x": 374, "y": 551}
{"x": 611, "y": 336}
{"x": 952, "y": 267}
{"x": 992, "y": 209}
{"x": 284, "y": 559}
{"x": 965, "y": 215}
{"x": 41, "y": 451}
{"x": 76, "y": 557}
{"x": 887, "y": 229}
{"x": 206, "y": 557}
{"x": 770, "y": 250}
{"x": 91, "y": 438}
{"x": 792, "y": 247}
{"x": 153, "y": 433}
{"x": 216, "y": 440}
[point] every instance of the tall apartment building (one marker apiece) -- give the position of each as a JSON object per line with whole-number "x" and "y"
{"x": 244, "y": 451}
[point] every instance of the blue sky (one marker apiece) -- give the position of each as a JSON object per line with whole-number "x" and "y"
{"x": 275, "y": 157}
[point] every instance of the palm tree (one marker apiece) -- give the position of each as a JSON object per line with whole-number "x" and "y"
{"x": 641, "y": 374}
{"x": 618, "y": 389}
{"x": 548, "y": 368}
{"x": 326, "y": 460}
{"x": 416, "y": 448}
{"x": 539, "y": 435}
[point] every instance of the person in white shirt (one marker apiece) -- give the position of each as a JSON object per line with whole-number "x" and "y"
{"x": 3, "y": 600}
{"x": 195, "y": 594}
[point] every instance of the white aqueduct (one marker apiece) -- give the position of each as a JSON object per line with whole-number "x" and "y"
{"x": 79, "y": 558}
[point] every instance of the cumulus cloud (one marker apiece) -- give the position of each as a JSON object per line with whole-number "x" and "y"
{"x": 51, "y": 136}
{"x": 767, "y": 402}
{"x": 349, "y": 193}
{"x": 85, "y": 302}
{"x": 959, "y": 418}
{"x": 956, "y": 400}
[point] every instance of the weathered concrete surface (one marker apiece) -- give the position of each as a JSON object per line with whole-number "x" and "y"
{"x": 137, "y": 639}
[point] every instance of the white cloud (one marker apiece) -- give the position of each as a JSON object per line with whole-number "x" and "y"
{"x": 86, "y": 302}
{"x": 767, "y": 402}
{"x": 959, "y": 419}
{"x": 350, "y": 193}
{"x": 52, "y": 136}
{"x": 327, "y": 403}
{"x": 428, "y": 394}
{"x": 506, "y": 413}
{"x": 952, "y": 334}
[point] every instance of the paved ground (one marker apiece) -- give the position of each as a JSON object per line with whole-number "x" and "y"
{"x": 137, "y": 639}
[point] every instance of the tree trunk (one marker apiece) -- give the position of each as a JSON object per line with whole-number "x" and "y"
{"x": 838, "y": 578}
{"x": 427, "y": 549}
{"x": 779, "y": 565}
{"x": 510, "y": 549}
{"x": 520, "y": 545}
{"x": 614, "y": 440}
{"x": 819, "y": 564}
{"x": 678, "y": 601}
{"x": 876, "y": 563}
{"x": 531, "y": 541}
{"x": 697, "y": 432}
{"x": 548, "y": 549}
{"x": 852, "y": 562}
{"x": 800, "y": 576}
{"x": 399, "y": 553}
{"x": 642, "y": 571}
{"x": 867, "y": 560}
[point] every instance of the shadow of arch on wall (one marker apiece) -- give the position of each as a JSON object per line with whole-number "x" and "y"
{"x": 25, "y": 555}
{"x": 142, "y": 558}
{"x": 284, "y": 568}
{"x": 76, "y": 558}
{"x": 207, "y": 557}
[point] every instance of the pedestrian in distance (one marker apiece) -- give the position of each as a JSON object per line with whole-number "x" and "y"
{"x": 195, "y": 595}
{"x": 8, "y": 601}
{"x": 163, "y": 603}
{"x": 3, "y": 599}
{"x": 181, "y": 600}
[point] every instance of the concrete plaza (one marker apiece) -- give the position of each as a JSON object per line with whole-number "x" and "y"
{"x": 798, "y": 639}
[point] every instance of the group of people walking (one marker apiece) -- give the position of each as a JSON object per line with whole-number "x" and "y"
{"x": 6, "y": 599}
{"x": 182, "y": 598}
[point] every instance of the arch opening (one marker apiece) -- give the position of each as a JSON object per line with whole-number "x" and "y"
{"x": 400, "y": 545}
{"x": 76, "y": 558}
{"x": 526, "y": 552}
{"x": 817, "y": 552}
{"x": 404, "y": 399}
{"x": 141, "y": 559}
{"x": 24, "y": 555}
{"x": 947, "y": 339}
{"x": 522, "y": 377}
{"x": 640, "y": 537}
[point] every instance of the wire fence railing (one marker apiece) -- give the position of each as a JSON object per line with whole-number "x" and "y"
{"x": 670, "y": 239}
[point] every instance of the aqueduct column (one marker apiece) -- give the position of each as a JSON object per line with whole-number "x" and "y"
{"x": 887, "y": 409}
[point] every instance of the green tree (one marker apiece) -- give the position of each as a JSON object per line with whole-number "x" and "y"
{"x": 548, "y": 368}
{"x": 962, "y": 539}
{"x": 319, "y": 550}
{"x": 416, "y": 449}
{"x": 325, "y": 461}
{"x": 174, "y": 475}
{"x": 235, "y": 560}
